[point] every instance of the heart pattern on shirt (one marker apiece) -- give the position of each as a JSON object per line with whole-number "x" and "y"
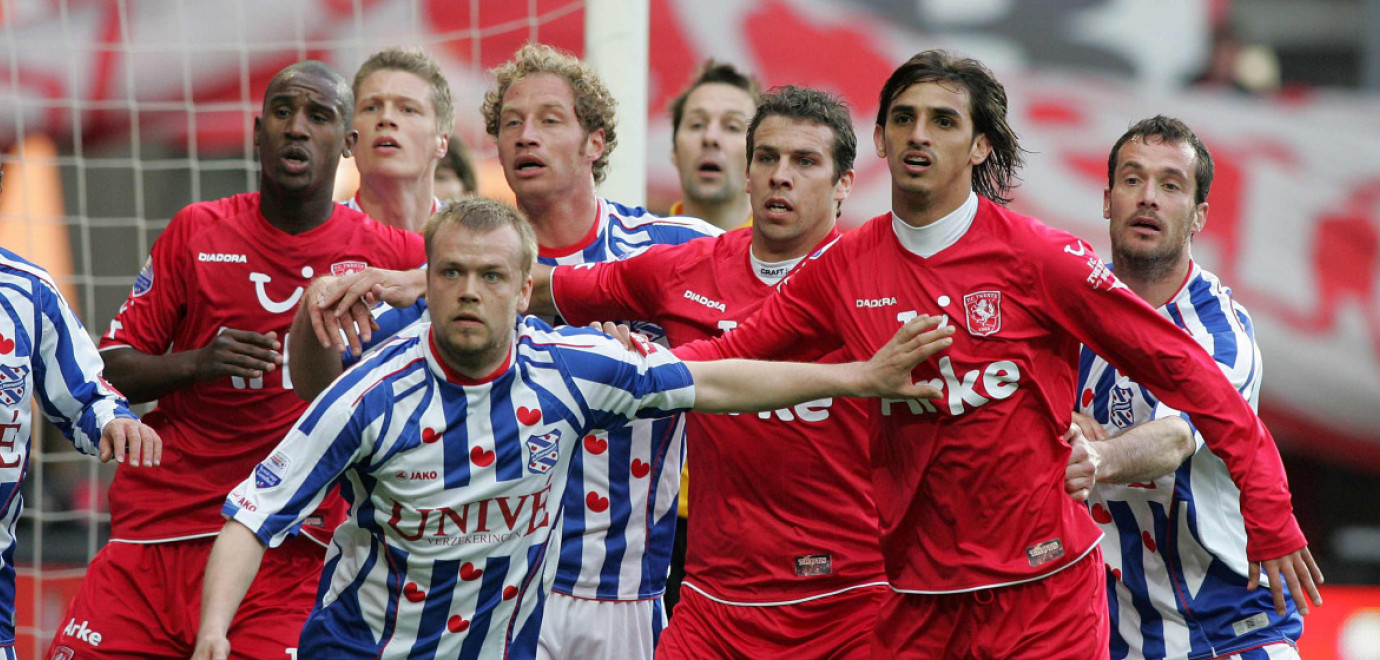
{"x": 468, "y": 572}
{"x": 414, "y": 593}
{"x": 640, "y": 469}
{"x": 596, "y": 503}
{"x": 1101, "y": 515}
{"x": 6, "y": 345}
{"x": 595, "y": 444}
{"x": 510, "y": 592}
{"x": 1149, "y": 541}
{"x": 481, "y": 456}
{"x": 430, "y": 435}
{"x": 457, "y": 624}
{"x": 529, "y": 416}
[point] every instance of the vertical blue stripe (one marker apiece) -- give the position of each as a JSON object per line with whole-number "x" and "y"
{"x": 503, "y": 418}
{"x": 1133, "y": 575}
{"x": 436, "y": 609}
{"x": 490, "y": 597}
{"x": 1209, "y": 310}
{"x": 620, "y": 510}
{"x": 456, "y": 439}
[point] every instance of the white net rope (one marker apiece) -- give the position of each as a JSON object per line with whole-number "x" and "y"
{"x": 142, "y": 107}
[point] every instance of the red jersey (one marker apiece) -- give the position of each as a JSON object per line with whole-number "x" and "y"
{"x": 220, "y": 264}
{"x": 970, "y": 486}
{"x": 782, "y": 500}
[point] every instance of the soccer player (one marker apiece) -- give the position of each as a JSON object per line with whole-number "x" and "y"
{"x": 455, "y": 178}
{"x": 708, "y": 122}
{"x": 985, "y": 554}
{"x": 553, "y": 120}
{"x": 404, "y": 114}
{"x": 45, "y": 352}
{"x": 1179, "y": 582}
{"x": 452, "y": 442}
{"x": 783, "y": 581}
{"x": 202, "y": 332}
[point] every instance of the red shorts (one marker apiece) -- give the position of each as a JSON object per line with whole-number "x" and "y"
{"x": 144, "y": 601}
{"x": 834, "y": 627}
{"x": 1062, "y": 616}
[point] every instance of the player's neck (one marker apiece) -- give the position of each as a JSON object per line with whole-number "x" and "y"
{"x": 726, "y": 215}
{"x": 404, "y": 203}
{"x": 294, "y": 215}
{"x": 561, "y": 220}
{"x": 920, "y": 209}
{"x": 774, "y": 251}
{"x": 1154, "y": 280}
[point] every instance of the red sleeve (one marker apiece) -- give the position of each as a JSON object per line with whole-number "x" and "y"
{"x": 1082, "y": 296}
{"x": 413, "y": 251}
{"x": 800, "y": 314}
{"x": 628, "y": 289}
{"x": 148, "y": 319}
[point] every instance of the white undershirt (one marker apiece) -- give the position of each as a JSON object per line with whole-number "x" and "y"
{"x": 772, "y": 272}
{"x": 933, "y": 238}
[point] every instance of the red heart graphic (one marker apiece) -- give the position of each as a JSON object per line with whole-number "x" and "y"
{"x": 595, "y": 445}
{"x": 596, "y": 503}
{"x": 413, "y": 593}
{"x": 529, "y": 416}
{"x": 1101, "y": 515}
{"x": 469, "y": 572}
{"x": 458, "y": 624}
{"x": 6, "y": 344}
{"x": 1087, "y": 397}
{"x": 1116, "y": 573}
{"x": 481, "y": 457}
{"x": 640, "y": 469}
{"x": 509, "y": 592}
{"x": 430, "y": 435}
{"x": 1149, "y": 542}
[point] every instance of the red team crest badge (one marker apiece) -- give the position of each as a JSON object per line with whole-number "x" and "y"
{"x": 340, "y": 268}
{"x": 983, "y": 311}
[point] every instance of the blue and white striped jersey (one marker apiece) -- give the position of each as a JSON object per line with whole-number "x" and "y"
{"x": 44, "y": 350}
{"x": 1176, "y": 547}
{"x": 620, "y": 506}
{"x": 453, "y": 486}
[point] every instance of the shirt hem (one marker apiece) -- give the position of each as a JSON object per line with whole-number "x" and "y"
{"x": 170, "y": 539}
{"x": 998, "y": 585}
{"x": 781, "y": 603}
{"x": 608, "y": 600}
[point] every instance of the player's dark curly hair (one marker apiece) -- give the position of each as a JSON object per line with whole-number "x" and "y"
{"x": 713, "y": 71}
{"x": 815, "y": 106}
{"x": 1169, "y": 131}
{"x": 995, "y": 177}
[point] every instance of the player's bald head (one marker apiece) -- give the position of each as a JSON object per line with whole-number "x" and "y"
{"x": 320, "y": 75}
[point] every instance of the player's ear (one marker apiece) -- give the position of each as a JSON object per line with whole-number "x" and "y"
{"x": 525, "y": 294}
{"x": 258, "y": 129}
{"x": 594, "y": 142}
{"x": 1107, "y": 203}
{"x": 877, "y": 138}
{"x": 982, "y": 148}
{"x": 442, "y": 146}
{"x": 351, "y": 138}
{"x": 1200, "y": 217}
{"x": 843, "y": 187}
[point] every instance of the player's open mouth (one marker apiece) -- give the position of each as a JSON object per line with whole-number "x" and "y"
{"x": 777, "y": 205}
{"x": 385, "y": 143}
{"x": 1145, "y": 223}
{"x": 710, "y": 168}
{"x": 916, "y": 160}
{"x": 529, "y": 164}
{"x": 295, "y": 159}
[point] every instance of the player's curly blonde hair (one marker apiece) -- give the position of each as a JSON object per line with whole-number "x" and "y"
{"x": 594, "y": 105}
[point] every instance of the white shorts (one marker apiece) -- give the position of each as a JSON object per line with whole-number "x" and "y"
{"x": 1276, "y": 651}
{"x": 580, "y": 629}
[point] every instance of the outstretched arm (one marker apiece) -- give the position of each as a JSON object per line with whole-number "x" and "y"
{"x": 231, "y": 568}
{"x": 753, "y": 386}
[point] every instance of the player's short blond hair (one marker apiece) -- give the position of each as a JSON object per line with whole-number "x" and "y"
{"x": 483, "y": 215}
{"x": 418, "y": 63}
{"x": 594, "y": 105}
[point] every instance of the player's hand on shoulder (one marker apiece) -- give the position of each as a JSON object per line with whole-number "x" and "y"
{"x": 239, "y": 353}
{"x": 631, "y": 340}
{"x": 211, "y": 648}
{"x": 124, "y": 436}
{"x": 1297, "y": 570}
{"x": 1080, "y": 475}
{"x": 888, "y": 373}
